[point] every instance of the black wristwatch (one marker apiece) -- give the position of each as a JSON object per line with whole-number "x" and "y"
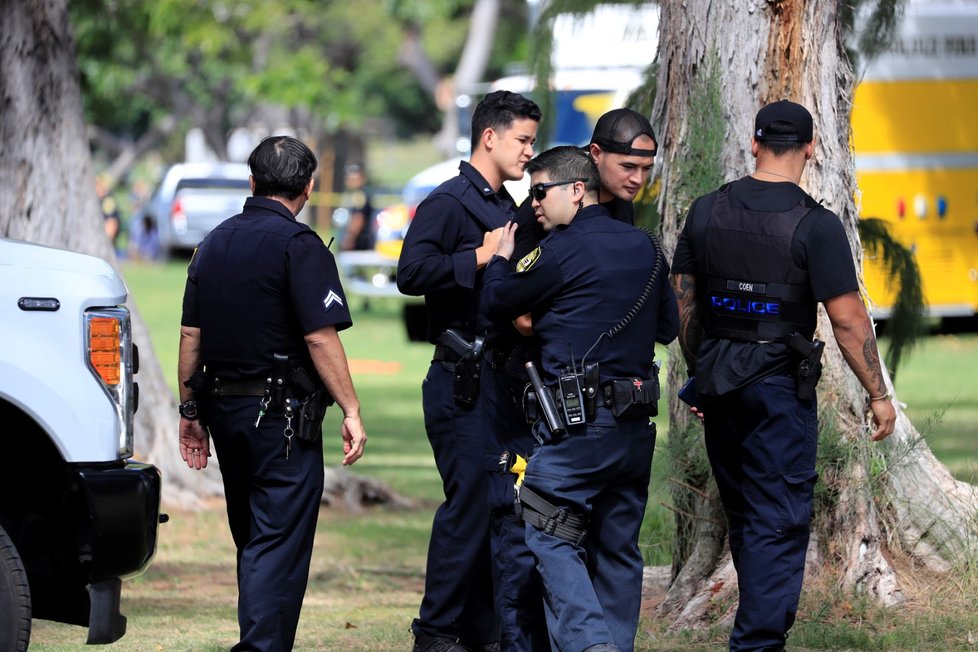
{"x": 188, "y": 410}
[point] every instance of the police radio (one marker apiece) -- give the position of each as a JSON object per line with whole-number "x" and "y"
{"x": 571, "y": 398}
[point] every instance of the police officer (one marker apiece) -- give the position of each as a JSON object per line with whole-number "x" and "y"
{"x": 623, "y": 144}
{"x": 258, "y": 351}
{"x": 753, "y": 260}
{"x": 596, "y": 291}
{"x": 452, "y": 236}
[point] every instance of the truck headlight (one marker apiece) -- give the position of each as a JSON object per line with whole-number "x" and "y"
{"x": 110, "y": 357}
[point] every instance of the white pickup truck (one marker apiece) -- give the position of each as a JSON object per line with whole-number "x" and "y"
{"x": 76, "y": 514}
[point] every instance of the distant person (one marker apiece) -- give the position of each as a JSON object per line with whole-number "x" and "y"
{"x": 453, "y": 235}
{"x": 359, "y": 234}
{"x": 110, "y": 213}
{"x": 144, "y": 239}
{"x": 754, "y": 259}
{"x": 260, "y": 357}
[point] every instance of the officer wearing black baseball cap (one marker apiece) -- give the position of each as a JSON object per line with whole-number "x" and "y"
{"x": 783, "y": 122}
{"x": 752, "y": 263}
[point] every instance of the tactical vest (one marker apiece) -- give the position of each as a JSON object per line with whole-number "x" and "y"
{"x": 749, "y": 287}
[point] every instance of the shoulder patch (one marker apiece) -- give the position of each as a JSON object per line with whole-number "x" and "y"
{"x": 527, "y": 261}
{"x": 332, "y": 299}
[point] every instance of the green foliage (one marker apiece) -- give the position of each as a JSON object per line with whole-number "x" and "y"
{"x": 907, "y": 319}
{"x": 832, "y": 460}
{"x": 338, "y": 62}
{"x": 882, "y": 20}
{"x": 688, "y": 475}
{"x": 699, "y": 170}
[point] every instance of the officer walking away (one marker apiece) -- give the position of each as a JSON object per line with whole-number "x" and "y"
{"x": 597, "y": 294}
{"x": 752, "y": 262}
{"x": 260, "y": 360}
{"x": 452, "y": 236}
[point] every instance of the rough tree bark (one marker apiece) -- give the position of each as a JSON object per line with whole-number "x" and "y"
{"x": 49, "y": 197}
{"x": 720, "y": 61}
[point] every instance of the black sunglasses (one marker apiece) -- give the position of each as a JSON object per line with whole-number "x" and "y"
{"x": 539, "y": 191}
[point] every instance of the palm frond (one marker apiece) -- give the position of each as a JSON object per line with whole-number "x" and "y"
{"x": 906, "y": 321}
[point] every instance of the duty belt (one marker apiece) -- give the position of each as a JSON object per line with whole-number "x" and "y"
{"x": 250, "y": 387}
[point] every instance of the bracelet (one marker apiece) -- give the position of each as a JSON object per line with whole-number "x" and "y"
{"x": 884, "y": 397}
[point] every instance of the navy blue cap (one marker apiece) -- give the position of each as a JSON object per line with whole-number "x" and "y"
{"x": 795, "y": 123}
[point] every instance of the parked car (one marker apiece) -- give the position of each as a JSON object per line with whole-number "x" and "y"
{"x": 193, "y": 198}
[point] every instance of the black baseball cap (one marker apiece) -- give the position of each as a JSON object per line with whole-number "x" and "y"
{"x": 617, "y": 129}
{"x": 796, "y": 124}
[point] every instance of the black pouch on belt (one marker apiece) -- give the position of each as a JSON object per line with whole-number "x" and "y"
{"x": 633, "y": 397}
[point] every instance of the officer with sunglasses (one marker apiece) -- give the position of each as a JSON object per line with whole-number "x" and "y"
{"x": 597, "y": 291}
{"x": 623, "y": 148}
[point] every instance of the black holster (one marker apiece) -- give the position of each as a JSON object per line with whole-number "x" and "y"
{"x": 468, "y": 367}
{"x": 311, "y": 412}
{"x": 291, "y": 384}
{"x": 809, "y": 368}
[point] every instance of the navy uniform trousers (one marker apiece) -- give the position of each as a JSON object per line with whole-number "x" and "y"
{"x": 516, "y": 582}
{"x": 273, "y": 506}
{"x": 593, "y": 591}
{"x": 458, "y": 599}
{"x": 761, "y": 441}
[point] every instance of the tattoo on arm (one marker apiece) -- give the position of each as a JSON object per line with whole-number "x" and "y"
{"x": 871, "y": 358}
{"x": 690, "y": 329}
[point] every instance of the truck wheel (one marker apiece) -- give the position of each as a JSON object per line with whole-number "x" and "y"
{"x": 15, "y": 598}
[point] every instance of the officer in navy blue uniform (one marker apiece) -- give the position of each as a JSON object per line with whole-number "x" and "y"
{"x": 579, "y": 285}
{"x": 452, "y": 236}
{"x": 260, "y": 285}
{"x": 623, "y": 142}
{"x": 753, "y": 260}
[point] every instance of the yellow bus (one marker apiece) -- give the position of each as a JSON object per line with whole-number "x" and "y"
{"x": 915, "y": 135}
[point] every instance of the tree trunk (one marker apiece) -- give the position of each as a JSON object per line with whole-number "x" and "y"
{"x": 720, "y": 61}
{"x": 470, "y": 70}
{"x": 48, "y": 173}
{"x": 49, "y": 198}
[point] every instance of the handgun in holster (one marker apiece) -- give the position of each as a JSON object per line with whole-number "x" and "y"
{"x": 468, "y": 367}
{"x": 291, "y": 384}
{"x": 809, "y": 367}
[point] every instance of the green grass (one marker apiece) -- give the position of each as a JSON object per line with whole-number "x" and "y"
{"x": 937, "y": 383}
{"x": 367, "y": 574}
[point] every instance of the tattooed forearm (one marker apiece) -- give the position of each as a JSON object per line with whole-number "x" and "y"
{"x": 690, "y": 329}
{"x": 871, "y": 358}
